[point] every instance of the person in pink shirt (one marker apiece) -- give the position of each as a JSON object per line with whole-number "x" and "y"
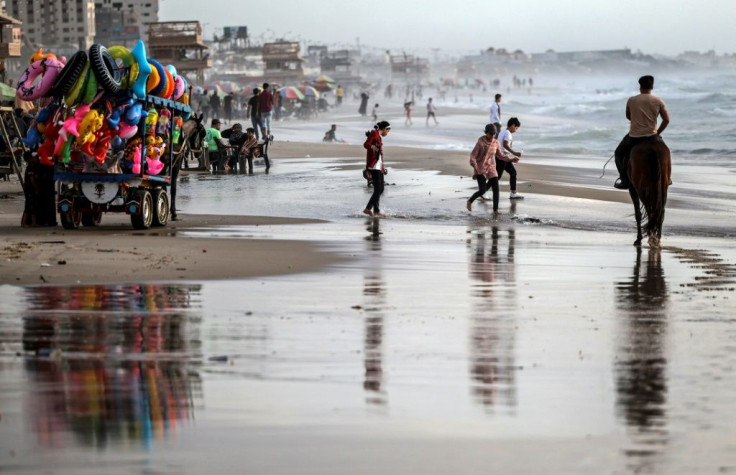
{"x": 265, "y": 110}
{"x": 483, "y": 160}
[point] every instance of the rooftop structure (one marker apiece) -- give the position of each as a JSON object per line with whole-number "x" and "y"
{"x": 283, "y": 63}
{"x": 180, "y": 43}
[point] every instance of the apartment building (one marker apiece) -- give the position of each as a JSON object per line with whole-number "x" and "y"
{"x": 140, "y": 13}
{"x": 62, "y": 26}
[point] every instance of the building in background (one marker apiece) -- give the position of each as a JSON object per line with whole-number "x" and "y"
{"x": 60, "y": 26}
{"x": 117, "y": 27}
{"x": 180, "y": 43}
{"x": 9, "y": 41}
{"x": 124, "y": 22}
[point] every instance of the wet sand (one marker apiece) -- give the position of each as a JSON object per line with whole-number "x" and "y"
{"x": 432, "y": 341}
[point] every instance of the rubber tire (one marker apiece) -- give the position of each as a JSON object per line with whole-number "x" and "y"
{"x": 92, "y": 218}
{"x": 105, "y": 68}
{"x": 69, "y": 75}
{"x": 144, "y": 219}
{"x": 71, "y": 220}
{"x": 161, "y": 207}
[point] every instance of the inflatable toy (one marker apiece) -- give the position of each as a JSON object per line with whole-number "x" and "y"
{"x": 38, "y": 56}
{"x": 69, "y": 75}
{"x": 157, "y": 80}
{"x": 144, "y": 70}
{"x": 71, "y": 124}
{"x": 91, "y": 123}
{"x": 48, "y": 70}
{"x": 126, "y": 63}
{"x": 180, "y": 87}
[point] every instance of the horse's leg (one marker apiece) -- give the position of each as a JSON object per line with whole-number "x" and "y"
{"x": 637, "y": 214}
{"x": 174, "y": 179}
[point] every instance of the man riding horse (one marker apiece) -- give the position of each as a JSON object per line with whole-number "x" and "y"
{"x": 642, "y": 111}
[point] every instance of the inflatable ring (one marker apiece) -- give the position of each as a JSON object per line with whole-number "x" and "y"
{"x": 172, "y": 70}
{"x": 69, "y": 75}
{"x": 105, "y": 68}
{"x": 166, "y": 94}
{"x": 128, "y": 65}
{"x": 48, "y": 69}
{"x": 84, "y": 90}
{"x": 160, "y": 86}
{"x": 180, "y": 87}
{"x": 76, "y": 91}
{"x": 144, "y": 70}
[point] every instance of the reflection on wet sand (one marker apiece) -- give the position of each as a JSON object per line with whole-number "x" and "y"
{"x": 493, "y": 333}
{"x": 110, "y": 364}
{"x": 641, "y": 363}
{"x": 375, "y": 302}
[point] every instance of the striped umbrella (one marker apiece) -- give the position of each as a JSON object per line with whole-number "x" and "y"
{"x": 291, "y": 92}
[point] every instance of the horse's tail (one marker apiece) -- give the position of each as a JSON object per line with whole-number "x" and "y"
{"x": 656, "y": 198}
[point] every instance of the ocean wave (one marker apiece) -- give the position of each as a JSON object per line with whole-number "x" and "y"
{"x": 717, "y": 97}
{"x": 569, "y": 109}
{"x": 716, "y": 152}
{"x": 724, "y": 112}
{"x": 453, "y": 147}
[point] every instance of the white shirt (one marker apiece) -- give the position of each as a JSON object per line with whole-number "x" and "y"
{"x": 495, "y": 116}
{"x": 505, "y": 135}
{"x": 379, "y": 163}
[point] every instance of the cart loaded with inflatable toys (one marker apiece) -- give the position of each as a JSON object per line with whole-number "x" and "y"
{"x": 110, "y": 118}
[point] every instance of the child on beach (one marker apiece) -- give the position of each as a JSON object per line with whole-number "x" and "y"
{"x": 248, "y": 150}
{"x": 505, "y": 139}
{"x": 375, "y": 165}
{"x": 374, "y": 113}
{"x": 484, "y": 157}
{"x": 407, "y": 112}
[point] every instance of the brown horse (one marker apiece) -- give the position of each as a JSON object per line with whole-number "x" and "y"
{"x": 192, "y": 133}
{"x": 649, "y": 173}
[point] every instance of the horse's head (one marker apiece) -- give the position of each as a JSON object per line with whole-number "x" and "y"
{"x": 193, "y": 131}
{"x": 198, "y": 133}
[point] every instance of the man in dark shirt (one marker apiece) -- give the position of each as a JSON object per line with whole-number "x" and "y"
{"x": 253, "y": 112}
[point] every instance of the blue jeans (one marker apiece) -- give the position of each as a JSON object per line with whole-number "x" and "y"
{"x": 256, "y": 123}
{"x": 265, "y": 123}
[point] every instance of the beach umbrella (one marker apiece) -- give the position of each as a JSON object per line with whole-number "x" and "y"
{"x": 197, "y": 90}
{"x": 309, "y": 91}
{"x": 228, "y": 86}
{"x": 290, "y": 92}
{"x": 217, "y": 89}
{"x": 324, "y": 79}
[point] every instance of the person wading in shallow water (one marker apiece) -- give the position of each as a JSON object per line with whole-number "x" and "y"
{"x": 642, "y": 111}
{"x": 483, "y": 160}
{"x": 375, "y": 165}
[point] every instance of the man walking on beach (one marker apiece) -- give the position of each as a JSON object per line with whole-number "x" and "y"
{"x": 505, "y": 140}
{"x": 642, "y": 112}
{"x": 265, "y": 107}
{"x": 431, "y": 112}
{"x": 496, "y": 113}
{"x": 252, "y": 112}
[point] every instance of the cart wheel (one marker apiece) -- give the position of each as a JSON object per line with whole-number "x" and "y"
{"x": 161, "y": 207}
{"x": 71, "y": 220}
{"x": 92, "y": 218}
{"x": 144, "y": 219}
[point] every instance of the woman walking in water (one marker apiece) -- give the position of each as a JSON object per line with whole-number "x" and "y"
{"x": 483, "y": 160}
{"x": 375, "y": 165}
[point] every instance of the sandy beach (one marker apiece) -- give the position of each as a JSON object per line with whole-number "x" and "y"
{"x": 276, "y": 329}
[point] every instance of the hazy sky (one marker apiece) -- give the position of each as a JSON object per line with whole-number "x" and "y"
{"x": 652, "y": 26}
